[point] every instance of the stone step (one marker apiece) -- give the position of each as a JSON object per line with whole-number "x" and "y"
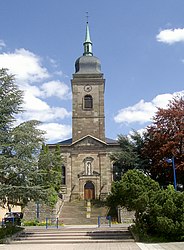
{"x": 73, "y": 241}
{"x": 73, "y": 235}
{"x": 75, "y": 213}
{"x": 76, "y": 234}
{"x": 75, "y": 229}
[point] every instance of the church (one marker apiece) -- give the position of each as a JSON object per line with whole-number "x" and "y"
{"x": 87, "y": 169}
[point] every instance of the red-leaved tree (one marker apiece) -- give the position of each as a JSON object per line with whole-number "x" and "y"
{"x": 164, "y": 140}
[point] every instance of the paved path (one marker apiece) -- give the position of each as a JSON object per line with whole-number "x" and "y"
{"x": 96, "y": 246}
{"x": 162, "y": 246}
{"x": 83, "y": 246}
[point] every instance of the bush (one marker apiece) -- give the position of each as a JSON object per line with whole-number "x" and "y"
{"x": 9, "y": 231}
{"x": 33, "y": 223}
{"x": 37, "y": 223}
{"x": 158, "y": 213}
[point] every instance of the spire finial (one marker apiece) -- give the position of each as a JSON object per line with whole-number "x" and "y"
{"x": 87, "y": 16}
{"x": 87, "y": 43}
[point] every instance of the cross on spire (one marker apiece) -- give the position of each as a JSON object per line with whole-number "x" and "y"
{"x": 87, "y": 43}
{"x": 87, "y": 16}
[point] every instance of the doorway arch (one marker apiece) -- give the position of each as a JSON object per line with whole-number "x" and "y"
{"x": 89, "y": 191}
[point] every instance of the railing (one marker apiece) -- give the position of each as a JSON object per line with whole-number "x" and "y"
{"x": 52, "y": 222}
{"x": 104, "y": 221}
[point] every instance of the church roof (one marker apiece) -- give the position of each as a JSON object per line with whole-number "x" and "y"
{"x": 87, "y": 64}
{"x": 110, "y": 141}
{"x": 66, "y": 142}
{"x": 69, "y": 141}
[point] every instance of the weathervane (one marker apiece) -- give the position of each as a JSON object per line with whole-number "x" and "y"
{"x": 87, "y": 16}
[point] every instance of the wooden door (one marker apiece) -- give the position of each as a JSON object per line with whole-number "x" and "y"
{"x": 89, "y": 191}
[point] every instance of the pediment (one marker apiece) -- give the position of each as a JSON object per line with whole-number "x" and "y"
{"x": 89, "y": 142}
{"x": 83, "y": 174}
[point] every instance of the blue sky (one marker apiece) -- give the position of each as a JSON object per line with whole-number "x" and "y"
{"x": 140, "y": 44}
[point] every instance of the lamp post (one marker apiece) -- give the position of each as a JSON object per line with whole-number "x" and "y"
{"x": 37, "y": 211}
{"x": 174, "y": 170}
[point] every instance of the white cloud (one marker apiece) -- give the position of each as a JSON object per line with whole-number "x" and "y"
{"x": 25, "y": 65}
{"x": 32, "y": 103}
{"x": 55, "y": 88}
{"x": 161, "y": 101}
{"x": 46, "y": 115}
{"x": 56, "y": 131}
{"x": 38, "y": 109}
{"x": 53, "y": 62}
{"x": 30, "y": 75}
{"x": 171, "y": 36}
{"x": 2, "y": 44}
{"x": 142, "y": 111}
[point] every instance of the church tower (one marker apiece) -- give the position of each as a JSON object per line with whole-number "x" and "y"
{"x": 87, "y": 168}
{"x": 88, "y": 95}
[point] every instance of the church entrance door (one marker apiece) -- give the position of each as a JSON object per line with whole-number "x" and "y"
{"x": 89, "y": 191}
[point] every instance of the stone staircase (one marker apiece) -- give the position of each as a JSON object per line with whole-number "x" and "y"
{"x": 75, "y": 212}
{"x": 73, "y": 235}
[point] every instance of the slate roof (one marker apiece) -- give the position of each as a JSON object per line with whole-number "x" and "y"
{"x": 69, "y": 141}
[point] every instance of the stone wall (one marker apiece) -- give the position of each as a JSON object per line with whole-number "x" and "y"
{"x": 34, "y": 211}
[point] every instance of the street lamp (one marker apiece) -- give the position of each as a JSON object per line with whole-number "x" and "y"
{"x": 174, "y": 170}
{"x": 37, "y": 211}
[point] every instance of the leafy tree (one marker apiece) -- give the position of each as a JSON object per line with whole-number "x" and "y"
{"x": 158, "y": 212}
{"x": 125, "y": 159}
{"x": 165, "y": 139}
{"x": 10, "y": 104}
{"x": 50, "y": 170}
{"x": 132, "y": 191}
{"x": 164, "y": 214}
{"x": 20, "y": 177}
{"x": 130, "y": 156}
{"x": 142, "y": 161}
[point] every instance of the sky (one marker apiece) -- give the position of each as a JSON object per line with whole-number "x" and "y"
{"x": 140, "y": 44}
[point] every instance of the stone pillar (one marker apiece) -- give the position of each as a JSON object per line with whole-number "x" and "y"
{"x": 88, "y": 208}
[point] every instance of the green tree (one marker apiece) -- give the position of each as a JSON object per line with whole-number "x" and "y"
{"x": 50, "y": 170}
{"x": 130, "y": 156}
{"x": 142, "y": 161}
{"x": 158, "y": 212}
{"x": 164, "y": 214}
{"x": 20, "y": 146}
{"x": 132, "y": 192}
{"x": 124, "y": 159}
{"x": 10, "y": 105}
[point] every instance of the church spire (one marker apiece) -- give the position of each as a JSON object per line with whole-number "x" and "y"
{"x": 87, "y": 43}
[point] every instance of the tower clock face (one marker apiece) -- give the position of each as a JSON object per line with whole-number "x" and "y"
{"x": 87, "y": 88}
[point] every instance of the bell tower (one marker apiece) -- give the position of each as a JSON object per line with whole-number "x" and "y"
{"x": 88, "y": 169}
{"x": 88, "y": 87}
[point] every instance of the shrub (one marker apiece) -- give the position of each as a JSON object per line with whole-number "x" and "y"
{"x": 158, "y": 212}
{"x": 9, "y": 231}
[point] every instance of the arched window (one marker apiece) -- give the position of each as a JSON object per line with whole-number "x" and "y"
{"x": 88, "y": 102}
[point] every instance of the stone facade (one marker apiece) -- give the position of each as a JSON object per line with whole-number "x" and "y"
{"x": 88, "y": 120}
{"x": 87, "y": 168}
